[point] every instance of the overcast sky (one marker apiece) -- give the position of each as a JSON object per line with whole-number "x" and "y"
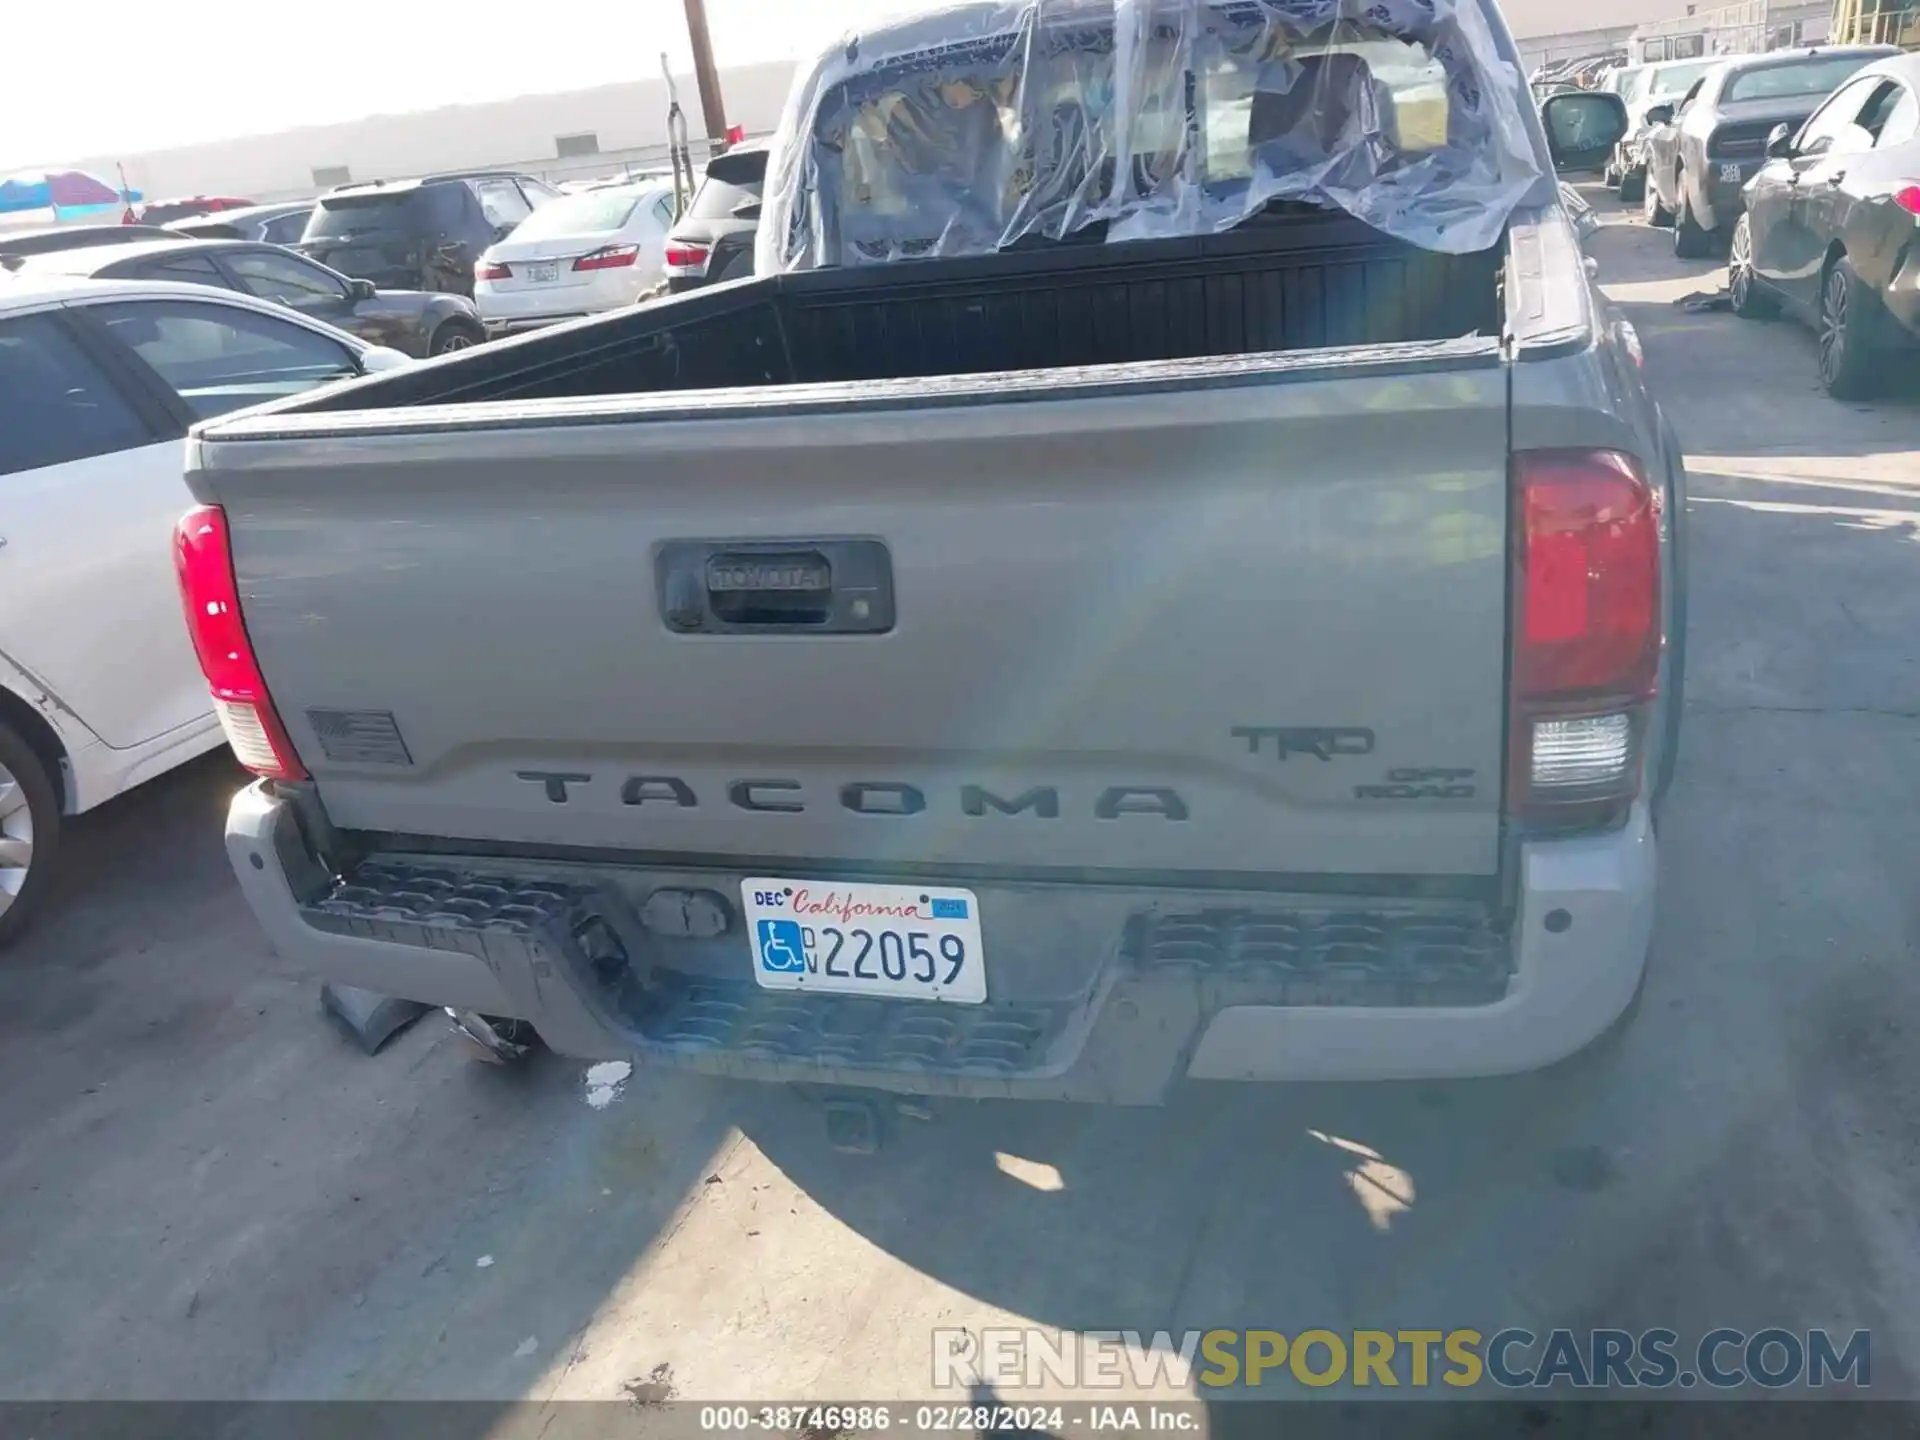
{"x": 123, "y": 77}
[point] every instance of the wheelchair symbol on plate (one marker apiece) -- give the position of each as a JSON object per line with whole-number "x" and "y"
{"x": 781, "y": 947}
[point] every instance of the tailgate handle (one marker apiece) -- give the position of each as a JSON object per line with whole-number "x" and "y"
{"x": 793, "y": 587}
{"x": 758, "y": 587}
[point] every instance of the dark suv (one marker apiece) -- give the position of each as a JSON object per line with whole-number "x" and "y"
{"x": 714, "y": 240}
{"x": 420, "y": 234}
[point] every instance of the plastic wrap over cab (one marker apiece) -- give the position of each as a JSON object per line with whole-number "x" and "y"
{"x": 971, "y": 128}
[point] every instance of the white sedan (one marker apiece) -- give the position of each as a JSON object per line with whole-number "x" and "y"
{"x": 99, "y": 380}
{"x": 579, "y": 255}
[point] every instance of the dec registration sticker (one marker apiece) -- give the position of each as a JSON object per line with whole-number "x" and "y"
{"x": 901, "y": 942}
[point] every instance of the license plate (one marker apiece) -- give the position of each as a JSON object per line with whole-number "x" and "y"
{"x": 902, "y": 942}
{"x": 544, "y": 273}
{"x": 1730, "y": 173}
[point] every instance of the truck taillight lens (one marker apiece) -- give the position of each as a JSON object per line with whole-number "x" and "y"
{"x": 609, "y": 257}
{"x": 688, "y": 259}
{"x": 1908, "y": 199}
{"x": 1587, "y": 634}
{"x": 492, "y": 270}
{"x": 203, "y": 555}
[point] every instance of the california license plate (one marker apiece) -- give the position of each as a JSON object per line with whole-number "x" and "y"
{"x": 902, "y": 942}
{"x": 544, "y": 273}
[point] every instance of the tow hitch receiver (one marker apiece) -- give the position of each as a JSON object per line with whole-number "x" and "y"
{"x": 853, "y": 1125}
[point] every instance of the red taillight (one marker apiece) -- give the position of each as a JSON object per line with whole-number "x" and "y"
{"x": 610, "y": 257}
{"x": 688, "y": 257}
{"x": 203, "y": 555}
{"x": 1587, "y": 632}
{"x": 491, "y": 270}
{"x": 1909, "y": 199}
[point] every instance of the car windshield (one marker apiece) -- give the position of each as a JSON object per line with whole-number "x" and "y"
{"x": 1799, "y": 79}
{"x": 596, "y": 212}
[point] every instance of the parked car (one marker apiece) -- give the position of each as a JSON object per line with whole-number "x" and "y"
{"x": 281, "y": 224}
{"x": 714, "y": 239}
{"x": 98, "y": 383}
{"x": 698, "y": 795}
{"x": 1702, "y": 153}
{"x": 420, "y": 234}
{"x": 414, "y": 322}
{"x": 1831, "y": 231}
{"x": 594, "y": 251}
{"x": 1643, "y": 88}
{"x": 162, "y": 212}
{"x": 45, "y": 241}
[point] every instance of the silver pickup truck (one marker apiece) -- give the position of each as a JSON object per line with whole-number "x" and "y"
{"x": 1109, "y": 601}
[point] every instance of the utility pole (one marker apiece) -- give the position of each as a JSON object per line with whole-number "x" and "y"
{"x": 713, "y": 109}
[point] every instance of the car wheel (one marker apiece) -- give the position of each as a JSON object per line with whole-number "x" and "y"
{"x": 456, "y": 335}
{"x": 1656, "y": 212}
{"x": 1750, "y": 300}
{"x": 29, "y": 832}
{"x": 1690, "y": 241}
{"x": 1847, "y": 363}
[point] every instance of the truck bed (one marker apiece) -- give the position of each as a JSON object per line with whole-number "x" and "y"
{"x": 1182, "y": 649}
{"x": 1290, "y": 283}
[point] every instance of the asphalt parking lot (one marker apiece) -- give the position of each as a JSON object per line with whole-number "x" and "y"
{"x": 206, "y": 1192}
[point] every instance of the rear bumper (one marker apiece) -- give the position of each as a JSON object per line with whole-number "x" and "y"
{"x": 506, "y": 311}
{"x": 651, "y": 967}
{"x": 1721, "y": 193}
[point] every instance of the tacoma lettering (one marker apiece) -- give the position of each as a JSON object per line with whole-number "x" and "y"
{"x": 884, "y": 798}
{"x": 892, "y": 798}
{"x": 1044, "y": 801}
{"x": 554, "y": 781}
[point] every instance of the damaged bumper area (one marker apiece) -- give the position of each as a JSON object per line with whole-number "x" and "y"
{"x": 1095, "y": 992}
